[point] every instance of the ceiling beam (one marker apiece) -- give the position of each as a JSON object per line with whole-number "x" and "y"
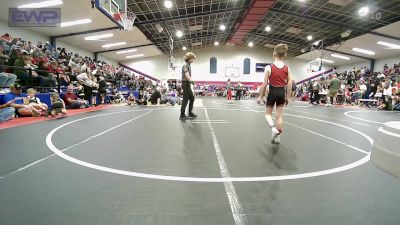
{"x": 125, "y": 48}
{"x": 191, "y": 16}
{"x": 334, "y": 23}
{"x": 85, "y": 32}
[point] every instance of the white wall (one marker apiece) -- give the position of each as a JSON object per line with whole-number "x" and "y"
{"x": 350, "y": 67}
{"x": 30, "y": 35}
{"x": 71, "y": 48}
{"x": 226, "y": 56}
{"x": 22, "y": 32}
{"x": 379, "y": 63}
{"x": 108, "y": 60}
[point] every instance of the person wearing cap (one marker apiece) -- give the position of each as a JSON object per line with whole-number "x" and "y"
{"x": 16, "y": 97}
{"x": 187, "y": 85}
{"x": 22, "y": 73}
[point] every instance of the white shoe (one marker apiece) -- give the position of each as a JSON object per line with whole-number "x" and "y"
{"x": 274, "y": 134}
{"x": 327, "y": 105}
{"x": 277, "y": 139}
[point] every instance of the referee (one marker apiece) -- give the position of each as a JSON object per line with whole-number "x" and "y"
{"x": 187, "y": 86}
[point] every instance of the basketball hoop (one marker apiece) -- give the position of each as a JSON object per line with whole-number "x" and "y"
{"x": 127, "y": 19}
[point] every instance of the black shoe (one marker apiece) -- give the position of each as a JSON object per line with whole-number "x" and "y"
{"x": 183, "y": 117}
{"x": 192, "y": 115}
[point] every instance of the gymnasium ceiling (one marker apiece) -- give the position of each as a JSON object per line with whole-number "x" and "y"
{"x": 291, "y": 21}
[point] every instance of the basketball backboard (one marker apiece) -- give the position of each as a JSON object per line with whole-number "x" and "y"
{"x": 111, "y": 7}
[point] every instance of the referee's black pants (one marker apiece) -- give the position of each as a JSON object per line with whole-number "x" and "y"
{"x": 188, "y": 96}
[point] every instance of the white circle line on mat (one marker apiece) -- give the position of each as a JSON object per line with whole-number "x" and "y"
{"x": 60, "y": 153}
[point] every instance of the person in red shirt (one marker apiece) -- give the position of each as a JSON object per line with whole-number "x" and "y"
{"x": 277, "y": 76}
{"x": 54, "y": 69}
{"x": 72, "y": 101}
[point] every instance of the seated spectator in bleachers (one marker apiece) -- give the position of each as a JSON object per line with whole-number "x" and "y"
{"x": 386, "y": 69}
{"x": 72, "y": 101}
{"x": 3, "y": 56}
{"x": 363, "y": 89}
{"x": 6, "y": 79}
{"x": 7, "y": 112}
{"x": 24, "y": 63}
{"x": 35, "y": 102}
{"x": 20, "y": 108}
{"x": 53, "y": 69}
{"x": 57, "y": 105}
{"x": 12, "y": 57}
{"x": 6, "y": 37}
{"x": 44, "y": 70}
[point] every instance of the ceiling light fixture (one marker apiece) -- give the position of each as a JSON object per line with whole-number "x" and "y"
{"x": 309, "y": 37}
{"x": 134, "y": 56}
{"x": 42, "y": 4}
{"x": 251, "y": 44}
{"x": 179, "y": 34}
{"x": 340, "y": 56}
{"x": 222, "y": 27}
{"x": 97, "y": 37}
{"x": 216, "y": 43}
{"x": 368, "y": 52}
{"x": 363, "y": 11}
{"x": 76, "y": 22}
{"x": 113, "y": 44}
{"x": 127, "y": 51}
{"x": 268, "y": 29}
{"x": 184, "y": 48}
{"x": 324, "y": 60}
{"x": 390, "y": 45}
{"x": 168, "y": 4}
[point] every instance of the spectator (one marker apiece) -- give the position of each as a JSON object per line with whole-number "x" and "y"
{"x": 142, "y": 100}
{"x": 239, "y": 88}
{"x": 6, "y": 79}
{"x": 16, "y": 98}
{"x": 334, "y": 85}
{"x": 363, "y": 90}
{"x": 34, "y": 101}
{"x": 57, "y": 105}
{"x": 156, "y": 97}
{"x": 89, "y": 85}
{"x": 131, "y": 99}
{"x": 24, "y": 63}
{"x": 7, "y": 112}
{"x": 102, "y": 89}
{"x": 43, "y": 67}
{"x": 72, "y": 101}
{"x": 3, "y": 57}
{"x": 6, "y": 37}
{"x": 316, "y": 88}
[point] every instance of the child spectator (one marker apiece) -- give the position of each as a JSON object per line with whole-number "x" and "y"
{"x": 57, "y": 105}
{"x": 34, "y": 101}
{"x": 131, "y": 99}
